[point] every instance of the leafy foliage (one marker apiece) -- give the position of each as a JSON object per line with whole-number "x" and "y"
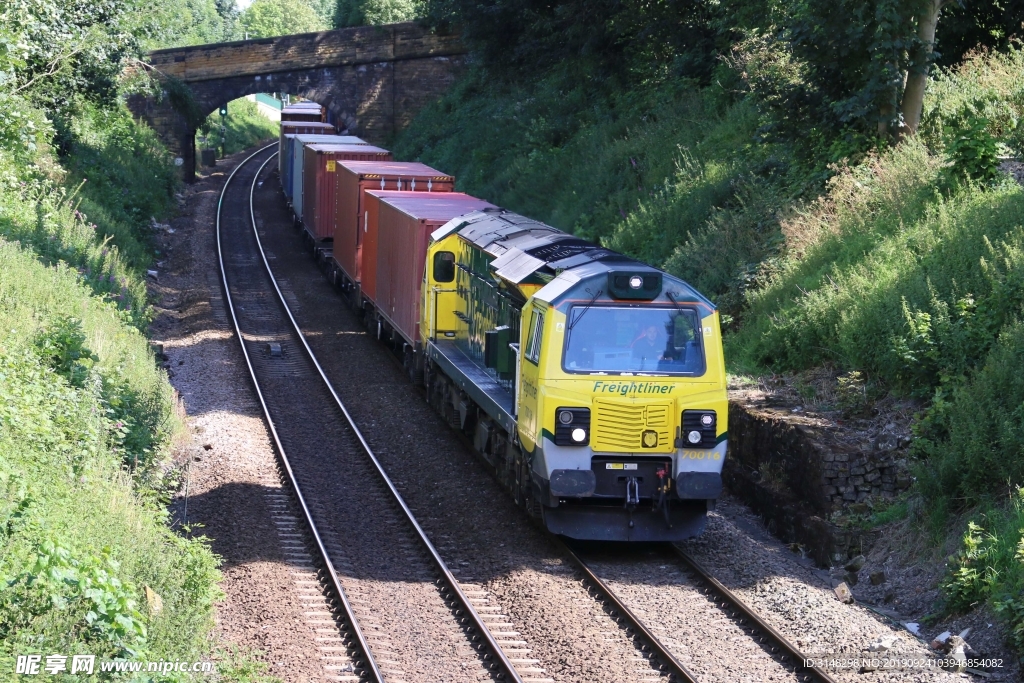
{"x": 973, "y": 151}
{"x": 243, "y": 128}
{"x": 265, "y": 18}
{"x": 972, "y": 576}
{"x": 989, "y": 566}
{"x": 596, "y": 39}
{"x": 967, "y": 27}
{"x": 63, "y": 344}
{"x": 374, "y": 12}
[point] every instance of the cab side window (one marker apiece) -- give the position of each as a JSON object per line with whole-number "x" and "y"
{"x": 444, "y": 266}
{"x": 536, "y": 331}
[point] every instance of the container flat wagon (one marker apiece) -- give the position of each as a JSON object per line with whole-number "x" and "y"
{"x": 286, "y": 154}
{"x": 355, "y": 248}
{"x": 313, "y": 189}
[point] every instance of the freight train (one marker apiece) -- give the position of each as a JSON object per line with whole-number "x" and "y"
{"x": 592, "y": 385}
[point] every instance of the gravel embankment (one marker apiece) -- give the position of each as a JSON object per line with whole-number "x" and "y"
{"x": 412, "y": 634}
{"x": 798, "y": 600}
{"x": 653, "y": 585}
{"x": 273, "y": 603}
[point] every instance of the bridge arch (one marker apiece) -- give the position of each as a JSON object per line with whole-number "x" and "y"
{"x": 374, "y": 79}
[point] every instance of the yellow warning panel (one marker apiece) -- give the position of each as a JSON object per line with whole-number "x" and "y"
{"x": 330, "y": 165}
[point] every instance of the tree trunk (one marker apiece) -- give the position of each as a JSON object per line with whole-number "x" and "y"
{"x": 917, "y": 78}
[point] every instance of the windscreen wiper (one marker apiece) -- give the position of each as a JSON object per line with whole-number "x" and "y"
{"x": 572, "y": 323}
{"x": 672, "y": 298}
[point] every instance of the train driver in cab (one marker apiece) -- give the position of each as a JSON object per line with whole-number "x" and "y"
{"x": 652, "y": 345}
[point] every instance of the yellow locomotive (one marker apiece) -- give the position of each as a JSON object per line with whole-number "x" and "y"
{"x": 594, "y": 385}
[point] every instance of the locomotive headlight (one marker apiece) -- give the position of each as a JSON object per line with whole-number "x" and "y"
{"x": 636, "y": 282}
{"x": 572, "y": 426}
{"x": 707, "y": 420}
{"x": 693, "y": 437}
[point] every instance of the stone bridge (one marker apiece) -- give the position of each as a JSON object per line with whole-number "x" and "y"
{"x": 373, "y": 78}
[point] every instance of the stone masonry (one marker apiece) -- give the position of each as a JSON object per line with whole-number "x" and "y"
{"x": 373, "y": 78}
{"x": 796, "y": 471}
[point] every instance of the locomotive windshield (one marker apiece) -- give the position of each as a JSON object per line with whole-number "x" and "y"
{"x": 642, "y": 339}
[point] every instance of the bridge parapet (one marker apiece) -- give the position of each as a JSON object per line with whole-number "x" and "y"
{"x": 373, "y": 78}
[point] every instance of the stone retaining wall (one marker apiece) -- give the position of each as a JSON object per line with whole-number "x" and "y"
{"x": 797, "y": 471}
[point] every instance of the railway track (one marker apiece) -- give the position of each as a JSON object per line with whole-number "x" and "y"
{"x": 769, "y": 639}
{"x": 277, "y": 353}
{"x": 339, "y": 484}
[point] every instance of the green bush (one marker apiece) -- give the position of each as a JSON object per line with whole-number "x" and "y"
{"x": 244, "y": 127}
{"x": 989, "y": 566}
{"x": 80, "y": 540}
{"x": 985, "y": 86}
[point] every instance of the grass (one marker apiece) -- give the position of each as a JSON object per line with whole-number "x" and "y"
{"x": 79, "y": 535}
{"x": 661, "y": 172}
{"x": 244, "y": 127}
{"x": 87, "y": 419}
{"x": 903, "y": 274}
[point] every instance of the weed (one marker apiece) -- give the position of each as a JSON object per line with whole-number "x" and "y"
{"x": 989, "y": 566}
{"x": 972, "y": 150}
{"x": 851, "y": 393}
{"x": 243, "y": 128}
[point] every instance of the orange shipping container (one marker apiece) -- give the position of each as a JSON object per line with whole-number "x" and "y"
{"x": 355, "y": 246}
{"x": 404, "y": 221}
{"x": 319, "y": 167}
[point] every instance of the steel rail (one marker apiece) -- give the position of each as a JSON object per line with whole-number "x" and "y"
{"x": 677, "y": 670}
{"x": 353, "y": 623}
{"x": 503, "y": 662}
{"x": 790, "y": 650}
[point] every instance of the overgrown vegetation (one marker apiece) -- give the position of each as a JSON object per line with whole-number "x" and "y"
{"x": 265, "y": 18}
{"x": 244, "y": 127}
{"x": 88, "y": 562}
{"x": 787, "y": 159}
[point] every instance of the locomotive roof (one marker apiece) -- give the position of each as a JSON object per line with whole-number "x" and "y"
{"x": 524, "y": 247}
{"x": 431, "y": 206}
{"x": 405, "y": 169}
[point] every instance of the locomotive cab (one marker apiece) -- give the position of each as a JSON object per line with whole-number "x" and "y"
{"x": 622, "y": 405}
{"x": 593, "y": 384}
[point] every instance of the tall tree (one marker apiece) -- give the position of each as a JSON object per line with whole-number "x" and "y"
{"x": 922, "y": 56}
{"x": 863, "y": 63}
{"x": 266, "y": 18}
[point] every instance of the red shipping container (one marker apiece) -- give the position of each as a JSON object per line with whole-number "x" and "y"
{"x": 319, "y": 165}
{"x": 304, "y": 111}
{"x": 355, "y": 247}
{"x": 404, "y": 221}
